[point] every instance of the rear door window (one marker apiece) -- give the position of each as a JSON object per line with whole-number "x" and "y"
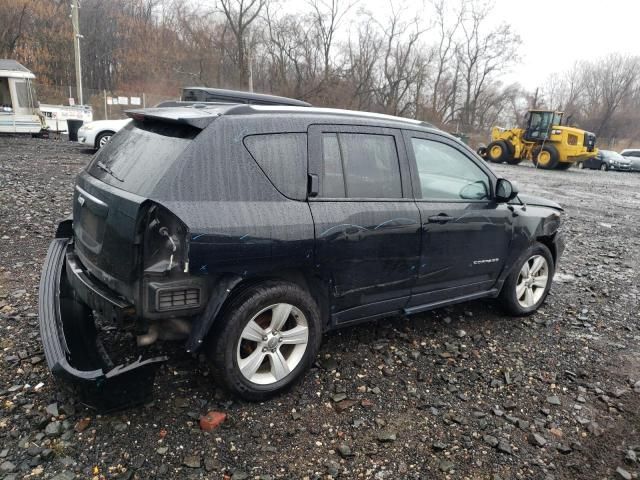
{"x": 283, "y": 159}
{"x": 332, "y": 176}
{"x": 360, "y": 165}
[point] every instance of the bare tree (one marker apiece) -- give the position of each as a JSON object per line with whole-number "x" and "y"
{"x": 240, "y": 14}
{"x": 293, "y": 58}
{"x": 327, "y": 15}
{"x": 442, "y": 91}
{"x": 13, "y": 18}
{"x": 607, "y": 84}
{"x": 362, "y": 57}
{"x": 482, "y": 54}
{"x": 401, "y": 66}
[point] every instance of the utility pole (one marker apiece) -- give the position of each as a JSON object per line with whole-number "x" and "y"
{"x": 75, "y": 14}
{"x": 250, "y": 74}
{"x": 249, "y": 62}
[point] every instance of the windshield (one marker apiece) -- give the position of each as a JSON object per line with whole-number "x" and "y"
{"x": 611, "y": 155}
{"x": 140, "y": 154}
{"x": 25, "y": 93}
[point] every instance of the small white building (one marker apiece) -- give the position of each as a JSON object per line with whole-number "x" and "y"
{"x": 19, "y": 111}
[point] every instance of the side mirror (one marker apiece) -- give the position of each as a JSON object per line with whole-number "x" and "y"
{"x": 505, "y": 190}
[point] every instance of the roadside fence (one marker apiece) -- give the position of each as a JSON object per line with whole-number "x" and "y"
{"x": 104, "y": 103}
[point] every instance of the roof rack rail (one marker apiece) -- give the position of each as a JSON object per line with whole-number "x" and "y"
{"x": 219, "y": 95}
{"x": 193, "y": 104}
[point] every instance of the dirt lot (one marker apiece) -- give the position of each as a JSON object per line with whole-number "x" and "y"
{"x": 462, "y": 392}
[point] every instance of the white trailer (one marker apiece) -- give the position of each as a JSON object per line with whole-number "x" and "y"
{"x": 56, "y": 116}
{"x": 19, "y": 111}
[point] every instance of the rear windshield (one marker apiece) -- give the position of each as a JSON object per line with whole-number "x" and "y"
{"x": 138, "y": 156}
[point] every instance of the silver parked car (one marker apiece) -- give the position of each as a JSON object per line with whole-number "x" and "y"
{"x": 606, "y": 160}
{"x": 97, "y": 134}
{"x": 632, "y": 154}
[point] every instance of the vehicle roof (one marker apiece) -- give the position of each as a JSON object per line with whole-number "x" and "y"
{"x": 12, "y": 65}
{"x": 11, "y": 68}
{"x": 110, "y": 120}
{"x": 238, "y": 96}
{"x": 200, "y": 115}
{"x": 543, "y": 110}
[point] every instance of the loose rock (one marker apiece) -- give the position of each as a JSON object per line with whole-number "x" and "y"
{"x": 536, "y": 440}
{"x": 386, "y": 436}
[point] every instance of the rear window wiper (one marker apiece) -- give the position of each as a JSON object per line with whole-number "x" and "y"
{"x": 104, "y": 168}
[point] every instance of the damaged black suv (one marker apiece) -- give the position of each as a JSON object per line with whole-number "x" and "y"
{"x": 250, "y": 230}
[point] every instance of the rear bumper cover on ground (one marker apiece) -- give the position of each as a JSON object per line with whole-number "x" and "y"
{"x": 69, "y": 340}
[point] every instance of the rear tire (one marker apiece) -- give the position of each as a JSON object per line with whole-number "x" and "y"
{"x": 270, "y": 335}
{"x": 546, "y": 157}
{"x": 528, "y": 284}
{"x": 103, "y": 139}
{"x": 563, "y": 166}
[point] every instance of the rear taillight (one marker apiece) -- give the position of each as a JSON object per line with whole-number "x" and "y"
{"x": 165, "y": 246}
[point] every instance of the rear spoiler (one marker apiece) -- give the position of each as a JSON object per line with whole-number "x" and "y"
{"x": 193, "y": 116}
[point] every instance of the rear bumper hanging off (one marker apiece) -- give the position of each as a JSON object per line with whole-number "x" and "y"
{"x": 69, "y": 339}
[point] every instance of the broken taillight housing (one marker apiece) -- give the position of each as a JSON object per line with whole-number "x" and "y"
{"x": 165, "y": 246}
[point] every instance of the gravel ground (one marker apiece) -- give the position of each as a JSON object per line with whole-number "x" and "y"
{"x": 461, "y": 392}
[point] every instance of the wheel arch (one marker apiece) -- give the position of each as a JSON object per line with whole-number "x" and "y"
{"x": 547, "y": 241}
{"x": 228, "y": 287}
{"x": 100, "y": 134}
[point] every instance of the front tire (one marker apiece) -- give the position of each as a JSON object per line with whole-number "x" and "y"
{"x": 604, "y": 167}
{"x": 527, "y": 286}
{"x": 581, "y": 165}
{"x": 270, "y": 335}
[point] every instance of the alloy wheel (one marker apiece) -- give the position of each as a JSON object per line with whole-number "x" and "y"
{"x": 532, "y": 281}
{"x": 272, "y": 344}
{"x": 544, "y": 158}
{"x": 104, "y": 140}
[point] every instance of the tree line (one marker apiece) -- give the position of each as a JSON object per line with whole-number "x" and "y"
{"x": 602, "y": 96}
{"x": 443, "y": 62}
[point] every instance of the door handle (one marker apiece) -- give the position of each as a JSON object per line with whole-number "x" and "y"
{"x": 440, "y": 218}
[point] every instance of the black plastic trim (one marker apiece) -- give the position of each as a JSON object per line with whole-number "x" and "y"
{"x": 105, "y": 389}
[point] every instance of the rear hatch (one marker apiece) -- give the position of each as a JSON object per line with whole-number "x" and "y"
{"x": 111, "y": 194}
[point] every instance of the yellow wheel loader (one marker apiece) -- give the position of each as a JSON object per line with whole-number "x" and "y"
{"x": 544, "y": 141}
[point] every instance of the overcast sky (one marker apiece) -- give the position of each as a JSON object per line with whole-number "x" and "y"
{"x": 556, "y": 33}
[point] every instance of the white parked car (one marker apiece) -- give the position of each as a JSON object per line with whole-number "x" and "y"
{"x": 97, "y": 134}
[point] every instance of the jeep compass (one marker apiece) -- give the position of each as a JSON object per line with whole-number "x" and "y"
{"x": 248, "y": 231}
